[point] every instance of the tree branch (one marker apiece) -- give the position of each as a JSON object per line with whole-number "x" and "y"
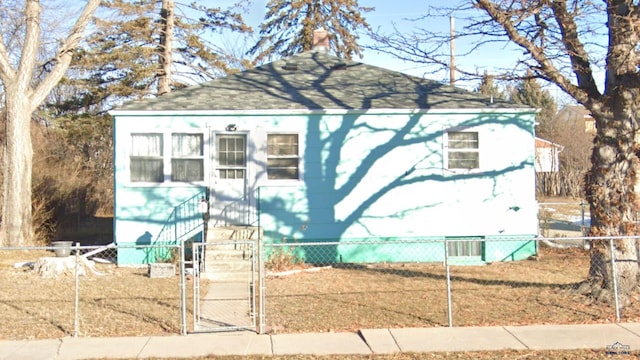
{"x": 64, "y": 55}
{"x": 580, "y": 92}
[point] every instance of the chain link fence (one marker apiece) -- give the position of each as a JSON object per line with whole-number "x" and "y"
{"x": 429, "y": 283}
{"x": 66, "y": 290}
{"x": 461, "y": 289}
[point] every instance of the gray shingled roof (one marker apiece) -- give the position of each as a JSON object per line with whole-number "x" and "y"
{"x": 316, "y": 80}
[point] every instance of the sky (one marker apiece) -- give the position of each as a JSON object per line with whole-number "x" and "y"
{"x": 398, "y": 13}
{"x": 390, "y": 13}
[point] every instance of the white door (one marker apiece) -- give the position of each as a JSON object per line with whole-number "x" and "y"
{"x": 230, "y": 200}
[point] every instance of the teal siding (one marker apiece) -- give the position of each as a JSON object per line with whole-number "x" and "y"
{"x": 382, "y": 179}
{"x": 364, "y": 177}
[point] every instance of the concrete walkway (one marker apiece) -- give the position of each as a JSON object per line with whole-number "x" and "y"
{"x": 615, "y": 338}
{"x": 226, "y": 305}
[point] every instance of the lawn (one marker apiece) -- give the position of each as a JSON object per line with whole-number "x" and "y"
{"x": 119, "y": 302}
{"x": 126, "y": 302}
{"x": 347, "y": 298}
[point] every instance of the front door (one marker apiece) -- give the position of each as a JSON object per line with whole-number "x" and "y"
{"x": 230, "y": 205}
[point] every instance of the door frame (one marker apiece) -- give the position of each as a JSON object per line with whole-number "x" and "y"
{"x": 245, "y": 208}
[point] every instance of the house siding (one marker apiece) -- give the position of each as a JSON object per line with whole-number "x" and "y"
{"x": 385, "y": 182}
{"x": 364, "y": 177}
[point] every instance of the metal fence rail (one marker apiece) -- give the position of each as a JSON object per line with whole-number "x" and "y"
{"x": 454, "y": 291}
{"x": 89, "y": 295}
{"x": 43, "y": 295}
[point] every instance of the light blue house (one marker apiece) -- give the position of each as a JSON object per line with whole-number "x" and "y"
{"x": 314, "y": 148}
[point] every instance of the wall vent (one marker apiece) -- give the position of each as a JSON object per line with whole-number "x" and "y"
{"x": 290, "y": 66}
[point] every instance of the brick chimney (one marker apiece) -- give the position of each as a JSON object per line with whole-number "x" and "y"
{"x": 320, "y": 40}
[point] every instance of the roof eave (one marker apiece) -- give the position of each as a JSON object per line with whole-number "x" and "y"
{"x": 257, "y": 112}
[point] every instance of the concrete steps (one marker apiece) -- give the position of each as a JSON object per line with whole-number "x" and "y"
{"x": 228, "y": 255}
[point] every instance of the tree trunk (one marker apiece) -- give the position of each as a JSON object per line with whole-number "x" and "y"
{"x": 21, "y": 100}
{"x": 166, "y": 46}
{"x": 18, "y": 156}
{"x": 610, "y": 189}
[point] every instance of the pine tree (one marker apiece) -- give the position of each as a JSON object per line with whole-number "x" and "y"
{"x": 131, "y": 54}
{"x": 488, "y": 88}
{"x": 529, "y": 92}
{"x": 289, "y": 25}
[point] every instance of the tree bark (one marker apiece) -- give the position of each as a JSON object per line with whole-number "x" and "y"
{"x": 610, "y": 190}
{"x": 166, "y": 46}
{"x": 18, "y": 154}
{"x": 21, "y": 100}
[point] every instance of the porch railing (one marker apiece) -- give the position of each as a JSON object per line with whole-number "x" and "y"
{"x": 185, "y": 221}
{"x": 238, "y": 212}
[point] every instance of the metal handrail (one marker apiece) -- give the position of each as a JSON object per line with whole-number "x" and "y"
{"x": 183, "y": 221}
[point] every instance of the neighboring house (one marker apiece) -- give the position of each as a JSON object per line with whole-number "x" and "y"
{"x": 579, "y": 115}
{"x": 547, "y": 160}
{"x": 314, "y": 148}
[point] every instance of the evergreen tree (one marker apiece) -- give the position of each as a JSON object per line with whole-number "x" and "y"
{"x": 289, "y": 25}
{"x": 142, "y": 48}
{"x": 529, "y": 92}
{"x": 488, "y": 88}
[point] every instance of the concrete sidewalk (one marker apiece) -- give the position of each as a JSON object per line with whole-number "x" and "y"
{"x": 618, "y": 338}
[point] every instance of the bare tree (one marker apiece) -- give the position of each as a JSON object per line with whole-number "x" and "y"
{"x": 25, "y": 90}
{"x": 566, "y": 42}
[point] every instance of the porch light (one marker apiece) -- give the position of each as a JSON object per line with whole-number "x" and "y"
{"x": 231, "y": 127}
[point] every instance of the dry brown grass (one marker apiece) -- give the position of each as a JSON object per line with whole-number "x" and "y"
{"x": 414, "y": 295}
{"x": 122, "y": 302}
{"x": 126, "y": 302}
{"x": 485, "y": 355}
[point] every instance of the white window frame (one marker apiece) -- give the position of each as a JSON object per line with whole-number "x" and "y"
{"x": 133, "y": 157}
{"x": 199, "y": 157}
{"x": 167, "y": 156}
{"x": 448, "y": 150}
{"x": 287, "y": 156}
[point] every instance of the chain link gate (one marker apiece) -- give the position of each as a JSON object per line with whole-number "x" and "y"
{"x": 224, "y": 286}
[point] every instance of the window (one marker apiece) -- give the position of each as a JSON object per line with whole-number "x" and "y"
{"x": 232, "y": 152}
{"x": 146, "y": 163}
{"x": 463, "y": 150}
{"x": 465, "y": 246}
{"x": 187, "y": 157}
{"x": 149, "y": 158}
{"x": 282, "y": 157}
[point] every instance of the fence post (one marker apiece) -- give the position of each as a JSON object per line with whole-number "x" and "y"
{"x": 76, "y": 304}
{"x": 183, "y": 290}
{"x": 615, "y": 279}
{"x": 449, "y": 302}
{"x": 262, "y": 298}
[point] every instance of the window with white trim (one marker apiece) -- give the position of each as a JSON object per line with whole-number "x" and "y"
{"x": 153, "y": 154}
{"x": 463, "y": 150}
{"x": 282, "y": 157}
{"x": 146, "y": 162}
{"x": 187, "y": 157}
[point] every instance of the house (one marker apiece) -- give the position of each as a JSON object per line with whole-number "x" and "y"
{"x": 578, "y": 115}
{"x": 547, "y": 160}
{"x": 315, "y": 148}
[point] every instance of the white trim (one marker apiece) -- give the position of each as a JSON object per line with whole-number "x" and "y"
{"x": 445, "y": 153}
{"x": 167, "y": 156}
{"x": 324, "y": 111}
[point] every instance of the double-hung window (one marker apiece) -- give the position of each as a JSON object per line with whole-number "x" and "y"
{"x": 146, "y": 163}
{"x": 151, "y": 156}
{"x": 282, "y": 157}
{"x": 187, "y": 157}
{"x": 463, "y": 150}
